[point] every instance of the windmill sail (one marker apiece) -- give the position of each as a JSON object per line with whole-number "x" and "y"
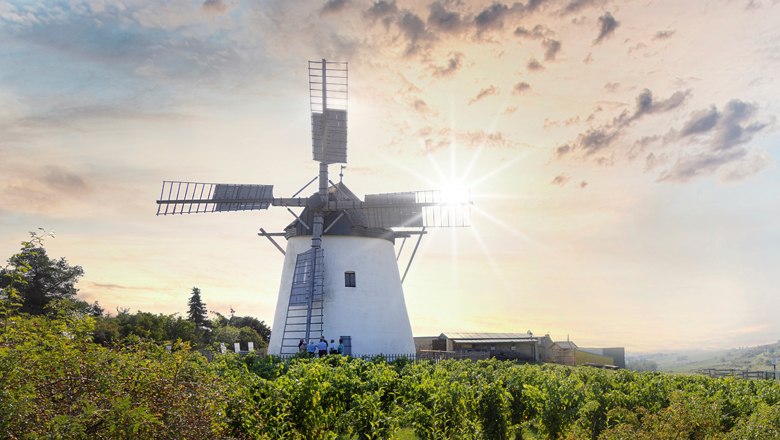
{"x": 195, "y": 197}
{"x": 328, "y": 96}
{"x": 415, "y": 210}
{"x": 393, "y": 210}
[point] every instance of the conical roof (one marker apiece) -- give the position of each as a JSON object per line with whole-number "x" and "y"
{"x": 347, "y": 221}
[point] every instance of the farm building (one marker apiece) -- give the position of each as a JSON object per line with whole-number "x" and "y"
{"x": 564, "y": 352}
{"x": 601, "y": 356}
{"x": 523, "y": 346}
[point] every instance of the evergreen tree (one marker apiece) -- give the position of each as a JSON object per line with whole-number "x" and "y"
{"x": 197, "y": 311}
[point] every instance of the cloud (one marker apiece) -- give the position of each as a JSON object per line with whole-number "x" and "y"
{"x": 646, "y": 104}
{"x": 421, "y": 106}
{"x": 598, "y": 139}
{"x": 442, "y": 19}
{"x": 538, "y": 32}
{"x": 534, "y": 65}
{"x": 63, "y": 180}
{"x": 608, "y": 25}
{"x": 560, "y": 180}
{"x": 382, "y": 9}
{"x": 453, "y": 65}
{"x": 413, "y": 28}
{"x": 492, "y": 90}
{"x": 493, "y": 16}
{"x": 700, "y": 122}
{"x": 735, "y": 125}
{"x": 551, "y": 49}
{"x": 663, "y": 35}
{"x": 709, "y": 141}
{"x": 334, "y": 6}
{"x": 214, "y": 7}
{"x": 521, "y": 88}
{"x": 433, "y": 139}
{"x": 700, "y": 164}
{"x": 577, "y": 5}
{"x": 583, "y": 185}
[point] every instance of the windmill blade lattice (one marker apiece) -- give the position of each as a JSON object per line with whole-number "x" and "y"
{"x": 415, "y": 209}
{"x": 196, "y": 197}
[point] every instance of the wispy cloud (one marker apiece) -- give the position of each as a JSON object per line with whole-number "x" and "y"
{"x": 436, "y": 139}
{"x": 597, "y": 139}
{"x": 709, "y": 141}
{"x": 453, "y": 65}
{"x": 578, "y": 5}
{"x": 537, "y": 32}
{"x": 607, "y": 26}
{"x": 487, "y": 91}
{"x": 663, "y": 35}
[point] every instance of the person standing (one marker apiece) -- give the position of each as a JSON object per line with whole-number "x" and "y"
{"x": 311, "y": 348}
{"x": 322, "y": 346}
{"x": 341, "y": 347}
{"x": 302, "y": 346}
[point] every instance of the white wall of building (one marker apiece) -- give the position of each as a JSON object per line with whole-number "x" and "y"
{"x": 373, "y": 312}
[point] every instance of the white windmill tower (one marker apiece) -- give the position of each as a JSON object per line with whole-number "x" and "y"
{"x": 340, "y": 276}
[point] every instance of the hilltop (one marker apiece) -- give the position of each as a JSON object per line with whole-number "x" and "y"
{"x": 757, "y": 358}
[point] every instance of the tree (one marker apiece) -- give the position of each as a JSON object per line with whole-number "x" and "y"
{"x": 255, "y": 324}
{"x": 33, "y": 279}
{"x": 197, "y": 312}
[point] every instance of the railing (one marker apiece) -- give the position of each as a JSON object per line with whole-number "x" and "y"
{"x": 730, "y": 372}
{"x": 427, "y": 355}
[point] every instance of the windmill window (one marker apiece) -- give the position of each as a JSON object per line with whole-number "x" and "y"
{"x": 349, "y": 279}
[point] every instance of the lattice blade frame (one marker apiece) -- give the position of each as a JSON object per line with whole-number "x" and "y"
{"x": 415, "y": 209}
{"x": 195, "y": 197}
{"x": 328, "y": 98}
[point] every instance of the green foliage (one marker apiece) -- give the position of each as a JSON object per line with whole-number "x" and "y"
{"x": 55, "y": 382}
{"x": 31, "y": 279}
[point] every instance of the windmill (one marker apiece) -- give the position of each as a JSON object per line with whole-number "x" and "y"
{"x": 340, "y": 276}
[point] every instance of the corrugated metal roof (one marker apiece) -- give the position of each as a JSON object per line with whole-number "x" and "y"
{"x": 492, "y": 336}
{"x": 566, "y": 345}
{"x": 494, "y": 341}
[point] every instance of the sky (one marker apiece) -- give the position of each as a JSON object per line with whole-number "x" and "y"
{"x": 621, "y": 155}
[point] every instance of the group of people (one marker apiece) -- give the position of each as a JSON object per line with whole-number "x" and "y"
{"x": 320, "y": 348}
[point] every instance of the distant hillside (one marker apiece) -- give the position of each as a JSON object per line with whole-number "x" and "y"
{"x": 757, "y": 358}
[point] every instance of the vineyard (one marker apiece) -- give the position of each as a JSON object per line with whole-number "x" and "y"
{"x": 55, "y": 382}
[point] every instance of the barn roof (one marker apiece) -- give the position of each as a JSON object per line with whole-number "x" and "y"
{"x": 566, "y": 345}
{"x": 480, "y": 337}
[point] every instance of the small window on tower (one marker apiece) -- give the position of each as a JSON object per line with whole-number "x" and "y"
{"x": 349, "y": 279}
